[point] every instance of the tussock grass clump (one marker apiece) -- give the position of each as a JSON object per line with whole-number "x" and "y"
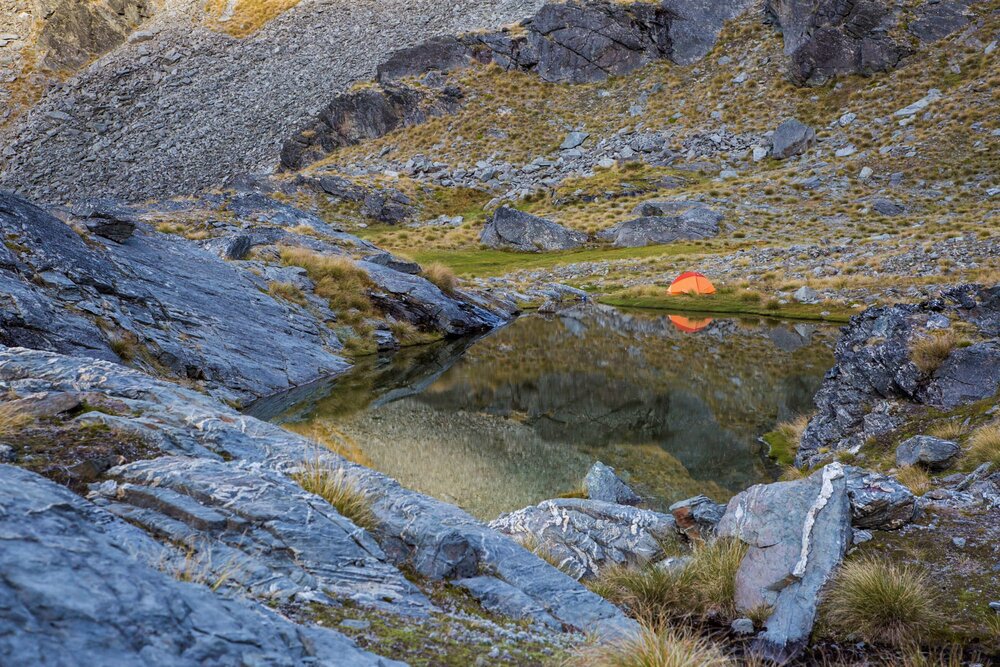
{"x": 951, "y": 430}
{"x": 882, "y": 602}
{"x": 984, "y": 445}
{"x": 337, "y": 279}
{"x": 706, "y": 584}
{"x": 653, "y": 647}
{"x": 198, "y": 567}
{"x": 442, "y": 276}
{"x": 915, "y": 478}
{"x": 286, "y": 291}
{"x": 929, "y": 352}
{"x": 784, "y": 440}
{"x": 248, "y": 16}
{"x": 333, "y": 486}
{"x": 13, "y": 418}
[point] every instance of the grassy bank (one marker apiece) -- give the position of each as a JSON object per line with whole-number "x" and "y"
{"x": 732, "y": 304}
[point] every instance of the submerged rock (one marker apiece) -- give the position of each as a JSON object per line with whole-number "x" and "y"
{"x": 511, "y": 229}
{"x": 798, "y": 533}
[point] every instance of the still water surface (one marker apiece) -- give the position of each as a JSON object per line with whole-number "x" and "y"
{"x": 676, "y": 404}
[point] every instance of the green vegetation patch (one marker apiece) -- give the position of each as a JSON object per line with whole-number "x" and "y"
{"x": 732, "y": 304}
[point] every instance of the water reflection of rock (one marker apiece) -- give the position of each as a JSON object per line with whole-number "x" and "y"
{"x": 525, "y": 411}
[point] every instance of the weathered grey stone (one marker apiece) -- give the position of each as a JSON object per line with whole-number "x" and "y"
{"x": 573, "y": 140}
{"x": 603, "y": 484}
{"x": 97, "y": 600}
{"x": 107, "y": 219}
{"x": 742, "y": 626}
{"x": 934, "y": 453}
{"x": 697, "y": 517}
{"x": 969, "y": 374}
{"x": 888, "y": 207}
{"x": 515, "y": 230}
{"x": 585, "y": 536}
{"x": 798, "y": 533}
{"x": 806, "y": 294}
{"x": 791, "y": 138}
{"x": 390, "y": 261}
{"x": 664, "y": 222}
{"x": 499, "y": 597}
{"x": 878, "y": 501}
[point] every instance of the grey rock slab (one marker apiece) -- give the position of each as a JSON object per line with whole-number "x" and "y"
{"x": 499, "y": 597}
{"x": 878, "y": 501}
{"x": 798, "y": 533}
{"x": 584, "y": 536}
{"x": 73, "y": 592}
{"x": 968, "y": 374}
{"x": 511, "y": 229}
{"x": 932, "y": 452}
{"x": 791, "y": 138}
{"x": 436, "y": 539}
{"x": 573, "y": 140}
{"x": 602, "y": 483}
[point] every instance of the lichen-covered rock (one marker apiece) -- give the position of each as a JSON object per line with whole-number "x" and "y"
{"x": 932, "y": 452}
{"x": 584, "y": 536}
{"x": 80, "y": 587}
{"x": 664, "y": 222}
{"x": 511, "y": 229}
{"x": 798, "y": 533}
{"x": 603, "y": 484}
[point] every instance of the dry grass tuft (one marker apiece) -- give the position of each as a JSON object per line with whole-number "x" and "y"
{"x": 952, "y": 430}
{"x": 929, "y": 352}
{"x": 13, "y": 418}
{"x": 442, "y": 276}
{"x": 706, "y": 585}
{"x": 286, "y": 291}
{"x": 653, "y": 647}
{"x": 248, "y": 16}
{"x": 337, "y": 279}
{"x": 882, "y": 602}
{"x": 984, "y": 445}
{"x": 333, "y": 486}
{"x": 915, "y": 478}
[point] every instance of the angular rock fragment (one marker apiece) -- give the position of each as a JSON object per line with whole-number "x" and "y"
{"x": 878, "y": 501}
{"x": 791, "y": 138}
{"x": 603, "y": 484}
{"x": 934, "y": 453}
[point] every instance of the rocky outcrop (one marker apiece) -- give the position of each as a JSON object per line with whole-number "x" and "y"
{"x": 878, "y": 502}
{"x": 584, "y": 536}
{"x": 511, "y": 229}
{"x": 664, "y": 222}
{"x": 100, "y": 592}
{"x": 875, "y": 385}
{"x": 798, "y": 533}
{"x": 226, "y": 477}
{"x": 146, "y": 297}
{"x": 931, "y": 452}
{"x": 571, "y": 42}
{"x": 75, "y": 33}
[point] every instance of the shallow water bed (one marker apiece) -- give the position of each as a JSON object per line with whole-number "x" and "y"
{"x": 676, "y": 404}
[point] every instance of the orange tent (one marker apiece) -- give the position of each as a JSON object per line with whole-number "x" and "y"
{"x": 691, "y": 283}
{"x": 688, "y": 325}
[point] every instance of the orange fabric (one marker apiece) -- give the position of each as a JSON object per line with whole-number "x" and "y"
{"x": 691, "y": 283}
{"x": 687, "y": 325}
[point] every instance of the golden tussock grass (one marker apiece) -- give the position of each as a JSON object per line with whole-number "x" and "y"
{"x": 333, "y": 486}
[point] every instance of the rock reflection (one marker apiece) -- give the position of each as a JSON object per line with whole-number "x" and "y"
{"x": 520, "y": 415}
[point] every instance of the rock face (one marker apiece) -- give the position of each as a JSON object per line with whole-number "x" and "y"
{"x": 792, "y": 138}
{"x": 697, "y": 517}
{"x": 830, "y": 38}
{"x": 100, "y": 593}
{"x": 75, "y": 33}
{"x": 875, "y": 380}
{"x": 511, "y": 229}
{"x": 140, "y": 300}
{"x": 934, "y": 453}
{"x": 584, "y": 536}
{"x": 603, "y": 484}
{"x": 226, "y": 477}
{"x": 798, "y": 533}
{"x": 664, "y": 222}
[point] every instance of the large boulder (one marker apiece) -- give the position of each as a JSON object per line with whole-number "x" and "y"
{"x": 664, "y": 222}
{"x": 584, "y": 536}
{"x": 932, "y": 452}
{"x": 791, "y": 138}
{"x": 969, "y": 374}
{"x": 511, "y": 229}
{"x": 82, "y": 587}
{"x": 798, "y": 533}
{"x": 878, "y": 502}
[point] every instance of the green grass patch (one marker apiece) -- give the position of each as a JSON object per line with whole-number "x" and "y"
{"x": 731, "y": 304}
{"x": 482, "y": 262}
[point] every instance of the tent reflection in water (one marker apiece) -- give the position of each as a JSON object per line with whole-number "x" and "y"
{"x": 688, "y": 324}
{"x": 691, "y": 283}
